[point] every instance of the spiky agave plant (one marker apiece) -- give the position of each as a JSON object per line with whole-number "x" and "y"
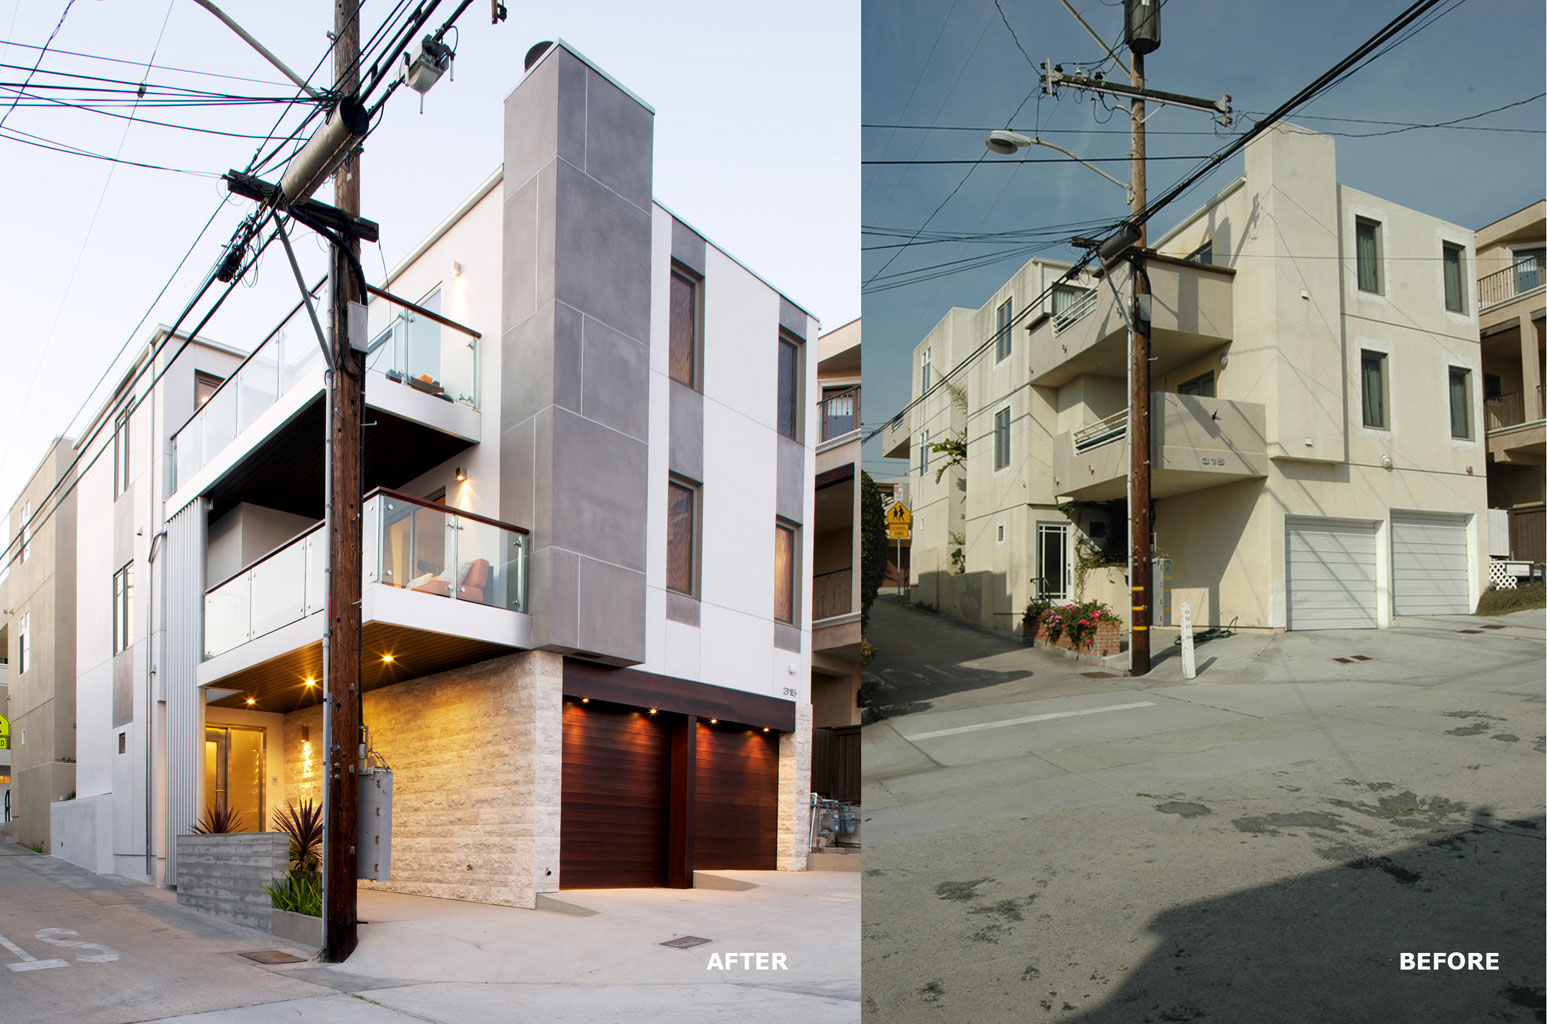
{"x": 217, "y": 820}
{"x": 303, "y": 824}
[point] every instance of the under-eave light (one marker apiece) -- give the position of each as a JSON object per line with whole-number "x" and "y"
{"x": 251, "y": 701}
{"x": 386, "y": 659}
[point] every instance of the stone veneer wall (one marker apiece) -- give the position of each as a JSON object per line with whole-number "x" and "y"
{"x": 224, "y": 874}
{"x": 476, "y": 757}
{"x": 795, "y": 793}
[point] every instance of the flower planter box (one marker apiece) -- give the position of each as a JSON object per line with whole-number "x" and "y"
{"x": 300, "y": 928}
{"x": 1107, "y": 641}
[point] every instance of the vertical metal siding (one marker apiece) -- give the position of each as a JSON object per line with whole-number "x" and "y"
{"x": 179, "y": 664}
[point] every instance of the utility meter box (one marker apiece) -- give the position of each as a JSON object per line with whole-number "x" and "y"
{"x": 373, "y": 838}
{"x": 1162, "y": 608}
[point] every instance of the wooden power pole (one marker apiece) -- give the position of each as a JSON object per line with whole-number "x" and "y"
{"x": 345, "y": 417}
{"x": 1139, "y": 403}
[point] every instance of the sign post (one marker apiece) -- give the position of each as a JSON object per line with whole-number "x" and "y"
{"x": 899, "y": 524}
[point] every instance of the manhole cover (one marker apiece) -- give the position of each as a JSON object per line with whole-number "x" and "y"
{"x": 272, "y": 956}
{"x": 686, "y": 942}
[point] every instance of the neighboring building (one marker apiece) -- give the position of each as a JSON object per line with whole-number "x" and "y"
{"x": 835, "y": 587}
{"x": 5, "y": 733}
{"x": 589, "y": 532}
{"x": 1512, "y": 282}
{"x": 1317, "y": 453}
{"x": 37, "y": 604}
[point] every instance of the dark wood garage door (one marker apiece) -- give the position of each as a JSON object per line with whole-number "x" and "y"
{"x": 736, "y": 798}
{"x": 617, "y": 791}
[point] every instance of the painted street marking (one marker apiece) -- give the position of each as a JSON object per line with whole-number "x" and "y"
{"x": 1022, "y": 721}
{"x": 29, "y": 962}
{"x": 942, "y": 672}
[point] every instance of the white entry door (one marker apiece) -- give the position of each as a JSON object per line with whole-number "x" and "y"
{"x": 1053, "y": 569}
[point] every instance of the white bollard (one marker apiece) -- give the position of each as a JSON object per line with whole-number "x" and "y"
{"x": 1189, "y": 663}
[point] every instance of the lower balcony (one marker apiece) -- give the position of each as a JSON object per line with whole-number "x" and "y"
{"x": 440, "y": 589}
{"x": 1195, "y": 443}
{"x": 1515, "y": 428}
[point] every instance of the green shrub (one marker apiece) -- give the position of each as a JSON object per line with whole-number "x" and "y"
{"x": 1076, "y": 621}
{"x": 1502, "y": 602}
{"x": 303, "y": 824}
{"x": 219, "y": 820}
{"x": 299, "y": 892}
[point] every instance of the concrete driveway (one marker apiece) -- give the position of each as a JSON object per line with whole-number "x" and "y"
{"x": 1260, "y": 844}
{"x": 597, "y": 958}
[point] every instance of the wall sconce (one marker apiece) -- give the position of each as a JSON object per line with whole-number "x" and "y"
{"x": 461, "y": 475}
{"x": 456, "y": 269}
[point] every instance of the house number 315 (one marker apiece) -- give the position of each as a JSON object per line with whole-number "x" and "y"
{"x": 1213, "y": 460}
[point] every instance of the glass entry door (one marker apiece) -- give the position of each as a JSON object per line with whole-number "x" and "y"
{"x": 233, "y": 774}
{"x": 1053, "y": 561}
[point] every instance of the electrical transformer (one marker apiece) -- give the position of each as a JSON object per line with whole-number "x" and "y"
{"x": 373, "y": 838}
{"x": 1141, "y": 25}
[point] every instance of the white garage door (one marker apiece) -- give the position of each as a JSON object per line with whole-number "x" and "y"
{"x": 1428, "y": 564}
{"x": 1331, "y": 569}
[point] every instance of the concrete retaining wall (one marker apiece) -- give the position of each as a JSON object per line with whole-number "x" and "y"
{"x": 224, "y": 874}
{"x": 81, "y": 832}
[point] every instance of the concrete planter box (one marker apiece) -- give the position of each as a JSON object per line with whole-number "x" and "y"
{"x": 299, "y": 928}
{"x": 224, "y": 874}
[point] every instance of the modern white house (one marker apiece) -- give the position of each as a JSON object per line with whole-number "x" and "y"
{"x": 1317, "y": 445}
{"x": 587, "y": 607}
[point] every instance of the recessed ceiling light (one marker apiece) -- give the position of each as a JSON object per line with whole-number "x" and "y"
{"x": 386, "y": 658}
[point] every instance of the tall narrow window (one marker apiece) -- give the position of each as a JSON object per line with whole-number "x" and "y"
{"x": 1460, "y": 402}
{"x": 1001, "y": 438}
{"x": 924, "y": 453}
{"x": 1372, "y": 388}
{"x": 123, "y": 607}
{"x": 234, "y": 773}
{"x": 24, "y": 644}
{"x": 684, "y": 328}
{"x": 26, "y": 530}
{"x": 681, "y": 511}
{"x": 1064, "y": 297}
{"x": 121, "y": 454}
{"x": 784, "y": 573}
{"x": 789, "y": 388}
{"x": 1453, "y": 279}
{"x": 1367, "y": 254}
{"x": 1002, "y": 339}
{"x": 925, "y": 376}
{"x": 1528, "y": 268}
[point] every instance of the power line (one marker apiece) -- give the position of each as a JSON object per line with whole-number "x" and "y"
{"x": 41, "y": 51}
{"x": 135, "y": 63}
{"x": 1027, "y": 160}
{"x": 29, "y": 139}
{"x": 48, "y": 101}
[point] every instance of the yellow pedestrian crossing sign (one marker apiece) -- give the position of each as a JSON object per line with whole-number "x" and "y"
{"x": 898, "y": 521}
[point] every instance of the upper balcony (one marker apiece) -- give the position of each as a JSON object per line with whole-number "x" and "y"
{"x": 839, "y": 440}
{"x": 440, "y": 588}
{"x": 1191, "y": 312}
{"x": 259, "y": 435}
{"x": 895, "y": 439}
{"x": 1195, "y": 443}
{"x": 1523, "y": 277}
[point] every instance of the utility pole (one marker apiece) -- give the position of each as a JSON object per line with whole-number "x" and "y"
{"x": 1141, "y": 31}
{"x": 345, "y": 418}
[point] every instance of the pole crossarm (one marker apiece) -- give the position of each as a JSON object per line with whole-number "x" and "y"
{"x": 315, "y": 215}
{"x": 1055, "y": 77}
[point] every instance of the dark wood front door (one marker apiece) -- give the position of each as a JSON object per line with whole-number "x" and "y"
{"x": 616, "y": 797}
{"x": 736, "y": 798}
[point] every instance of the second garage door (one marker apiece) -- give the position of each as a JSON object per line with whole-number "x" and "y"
{"x": 1428, "y": 564}
{"x": 1331, "y": 574}
{"x": 736, "y": 802}
{"x": 616, "y": 797}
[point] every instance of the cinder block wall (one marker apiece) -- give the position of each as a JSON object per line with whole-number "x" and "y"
{"x": 224, "y": 874}
{"x": 476, "y": 760}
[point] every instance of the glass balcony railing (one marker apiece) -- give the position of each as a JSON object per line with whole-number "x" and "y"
{"x": 406, "y": 542}
{"x": 413, "y": 350}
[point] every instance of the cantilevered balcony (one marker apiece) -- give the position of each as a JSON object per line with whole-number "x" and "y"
{"x": 259, "y": 436}
{"x": 1195, "y": 443}
{"x": 1519, "y": 278}
{"x": 440, "y": 588}
{"x": 1191, "y": 313}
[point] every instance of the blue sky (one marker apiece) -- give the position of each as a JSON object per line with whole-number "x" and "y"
{"x": 957, "y": 65}
{"x": 756, "y": 145}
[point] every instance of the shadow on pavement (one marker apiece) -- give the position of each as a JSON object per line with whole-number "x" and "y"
{"x": 921, "y": 656}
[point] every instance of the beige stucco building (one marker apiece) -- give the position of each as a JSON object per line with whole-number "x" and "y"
{"x": 1317, "y": 453}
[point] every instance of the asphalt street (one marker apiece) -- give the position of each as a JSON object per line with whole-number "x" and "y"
{"x": 1047, "y": 841}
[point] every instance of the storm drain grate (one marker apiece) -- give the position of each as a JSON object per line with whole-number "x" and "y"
{"x": 686, "y": 942}
{"x": 1363, "y": 657}
{"x": 1344, "y": 661}
{"x": 1468, "y": 631}
{"x": 272, "y": 956}
{"x": 1098, "y": 675}
{"x": 1490, "y": 627}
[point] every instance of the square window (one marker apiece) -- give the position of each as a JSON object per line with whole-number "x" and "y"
{"x": 681, "y": 535}
{"x": 1367, "y": 254}
{"x": 1202, "y": 386}
{"x": 1453, "y": 281}
{"x": 1004, "y": 332}
{"x": 686, "y": 316}
{"x": 1002, "y": 438}
{"x": 784, "y": 573}
{"x": 1460, "y": 403}
{"x": 204, "y": 385}
{"x": 1372, "y": 388}
{"x": 789, "y": 388}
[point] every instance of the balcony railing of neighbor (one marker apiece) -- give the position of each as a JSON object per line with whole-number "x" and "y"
{"x": 840, "y": 413}
{"x": 831, "y": 594}
{"x": 418, "y": 348}
{"x": 1507, "y": 410}
{"x": 1113, "y": 428}
{"x": 1515, "y": 279}
{"x": 1074, "y": 312}
{"x": 407, "y": 542}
